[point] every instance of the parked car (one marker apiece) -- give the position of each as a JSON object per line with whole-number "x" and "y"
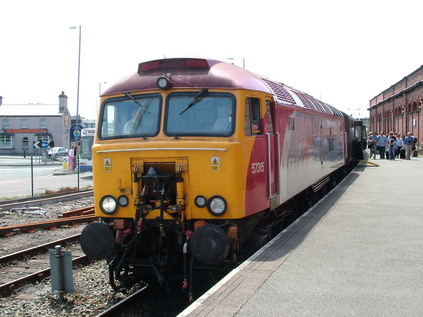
{"x": 56, "y": 152}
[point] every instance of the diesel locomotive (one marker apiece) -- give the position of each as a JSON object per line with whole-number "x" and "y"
{"x": 193, "y": 158}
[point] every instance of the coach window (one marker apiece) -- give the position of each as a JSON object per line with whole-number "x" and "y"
{"x": 252, "y": 116}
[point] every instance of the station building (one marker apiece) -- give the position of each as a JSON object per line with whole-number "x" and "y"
{"x": 398, "y": 108}
{"x": 31, "y": 128}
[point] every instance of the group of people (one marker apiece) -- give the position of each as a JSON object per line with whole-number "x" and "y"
{"x": 391, "y": 146}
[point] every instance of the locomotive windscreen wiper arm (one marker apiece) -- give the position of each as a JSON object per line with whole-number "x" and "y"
{"x": 196, "y": 99}
{"x": 132, "y": 98}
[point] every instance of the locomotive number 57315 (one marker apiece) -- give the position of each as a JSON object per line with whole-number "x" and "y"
{"x": 257, "y": 167}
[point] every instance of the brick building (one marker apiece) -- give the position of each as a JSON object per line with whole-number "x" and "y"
{"x": 398, "y": 108}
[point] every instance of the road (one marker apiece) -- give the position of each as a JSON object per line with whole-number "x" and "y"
{"x": 16, "y": 181}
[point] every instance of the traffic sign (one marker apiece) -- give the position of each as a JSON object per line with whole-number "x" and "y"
{"x": 75, "y": 132}
{"x": 45, "y": 145}
{"x": 37, "y": 144}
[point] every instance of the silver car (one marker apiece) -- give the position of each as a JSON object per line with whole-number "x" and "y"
{"x": 56, "y": 152}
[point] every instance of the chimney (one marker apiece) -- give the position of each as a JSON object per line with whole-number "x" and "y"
{"x": 63, "y": 102}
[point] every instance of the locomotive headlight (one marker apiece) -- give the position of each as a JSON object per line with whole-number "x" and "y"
{"x": 108, "y": 204}
{"x": 163, "y": 83}
{"x": 217, "y": 205}
{"x": 123, "y": 200}
{"x": 200, "y": 201}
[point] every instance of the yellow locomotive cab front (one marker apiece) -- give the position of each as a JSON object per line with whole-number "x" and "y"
{"x": 168, "y": 164}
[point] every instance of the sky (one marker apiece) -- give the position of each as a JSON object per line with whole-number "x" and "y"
{"x": 342, "y": 52}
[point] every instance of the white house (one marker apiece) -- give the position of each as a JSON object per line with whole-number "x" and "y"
{"x": 27, "y": 127}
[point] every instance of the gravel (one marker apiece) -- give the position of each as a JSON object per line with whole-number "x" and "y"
{"x": 92, "y": 294}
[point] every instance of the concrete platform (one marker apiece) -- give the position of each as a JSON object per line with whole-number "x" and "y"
{"x": 358, "y": 252}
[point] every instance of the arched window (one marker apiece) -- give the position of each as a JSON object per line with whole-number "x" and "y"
{"x": 414, "y": 106}
{"x": 25, "y": 143}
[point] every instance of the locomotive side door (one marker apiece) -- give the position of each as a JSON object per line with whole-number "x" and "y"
{"x": 273, "y": 145}
{"x": 259, "y": 123}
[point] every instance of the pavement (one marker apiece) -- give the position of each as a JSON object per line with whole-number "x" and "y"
{"x": 38, "y": 161}
{"x": 357, "y": 252}
{"x": 26, "y": 161}
{"x": 45, "y": 175}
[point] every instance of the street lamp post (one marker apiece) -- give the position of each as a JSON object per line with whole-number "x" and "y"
{"x": 99, "y": 87}
{"x": 77, "y": 99}
{"x": 99, "y": 94}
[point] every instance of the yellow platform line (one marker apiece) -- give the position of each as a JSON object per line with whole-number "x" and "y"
{"x": 371, "y": 163}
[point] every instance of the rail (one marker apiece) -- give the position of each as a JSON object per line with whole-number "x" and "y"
{"x": 48, "y": 224}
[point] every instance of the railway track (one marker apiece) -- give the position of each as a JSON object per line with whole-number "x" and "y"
{"x": 120, "y": 306}
{"x": 32, "y": 270}
{"x": 71, "y": 218}
{"x": 43, "y": 200}
{"x": 32, "y": 264}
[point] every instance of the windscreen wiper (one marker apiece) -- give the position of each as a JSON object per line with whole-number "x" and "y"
{"x": 196, "y": 99}
{"x": 132, "y": 98}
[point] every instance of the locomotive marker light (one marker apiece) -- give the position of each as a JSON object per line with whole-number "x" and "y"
{"x": 108, "y": 204}
{"x": 163, "y": 83}
{"x": 217, "y": 205}
{"x": 200, "y": 201}
{"x": 123, "y": 200}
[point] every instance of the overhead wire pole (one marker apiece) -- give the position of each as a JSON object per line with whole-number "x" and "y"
{"x": 78, "y": 133}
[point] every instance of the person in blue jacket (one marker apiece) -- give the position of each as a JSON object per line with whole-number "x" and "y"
{"x": 408, "y": 143}
{"x": 382, "y": 142}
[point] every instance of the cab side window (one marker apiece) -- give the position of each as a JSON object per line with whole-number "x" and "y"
{"x": 252, "y": 124}
{"x": 269, "y": 120}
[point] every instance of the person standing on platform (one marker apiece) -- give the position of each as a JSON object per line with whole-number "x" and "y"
{"x": 372, "y": 142}
{"x": 408, "y": 143}
{"x": 400, "y": 143}
{"x": 71, "y": 155}
{"x": 392, "y": 145}
{"x": 382, "y": 141}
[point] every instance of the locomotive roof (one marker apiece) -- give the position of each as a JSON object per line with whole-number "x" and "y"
{"x": 201, "y": 72}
